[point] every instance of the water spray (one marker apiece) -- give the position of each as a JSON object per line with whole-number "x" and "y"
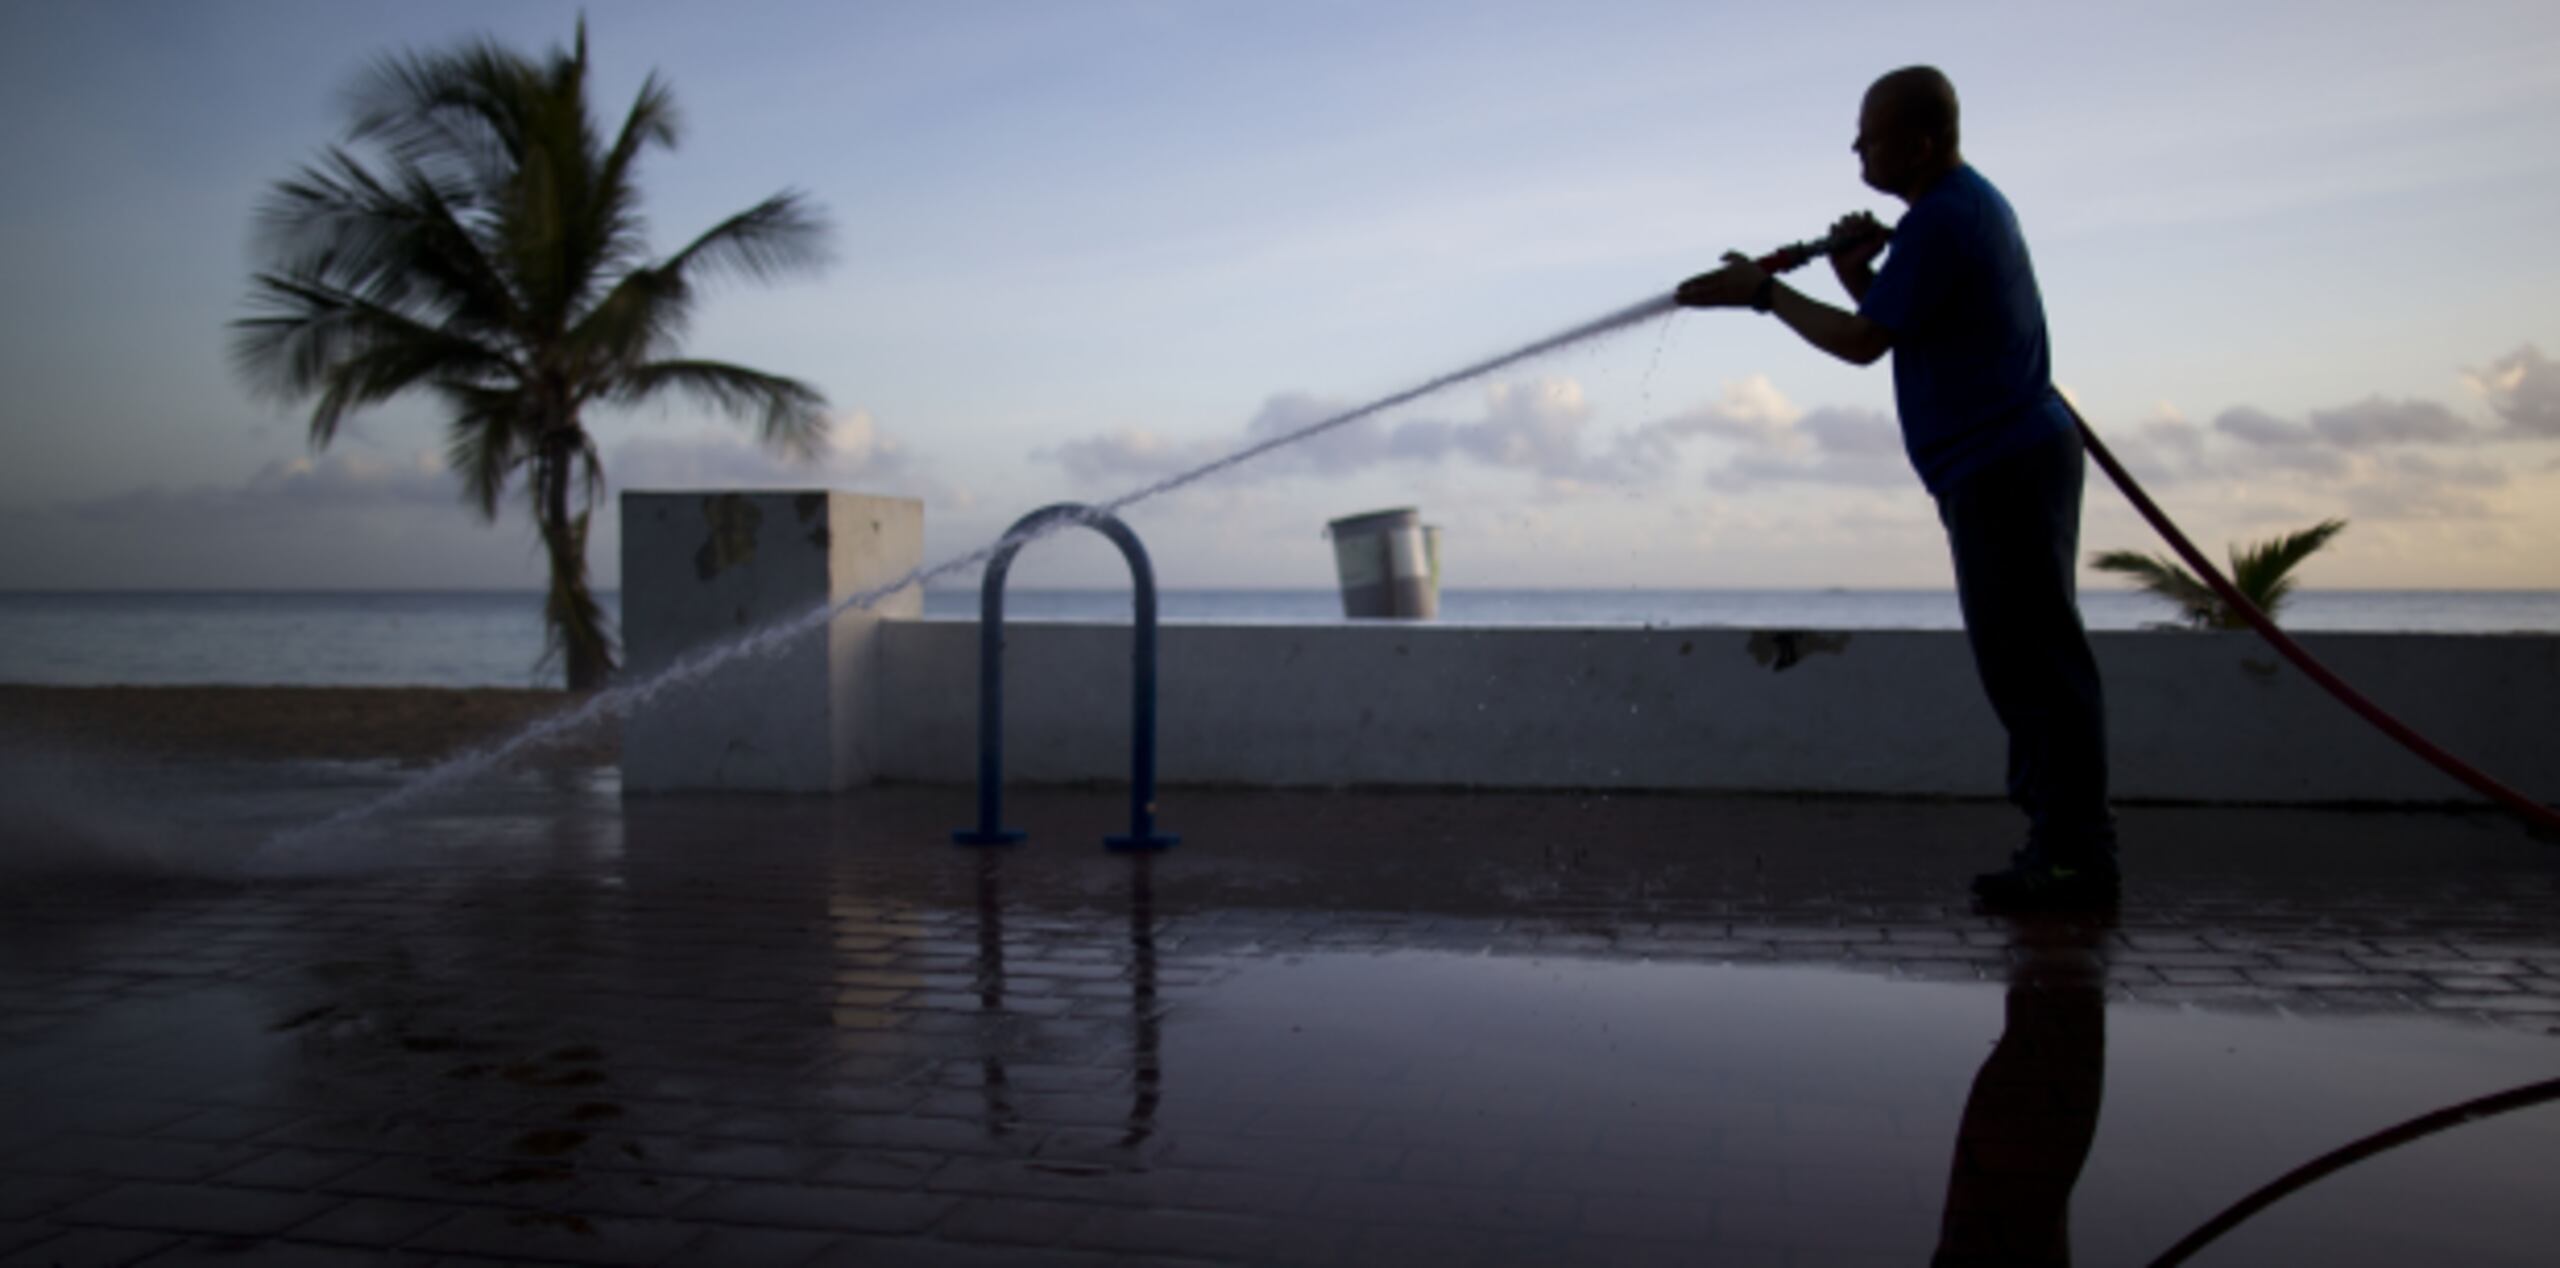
{"x": 614, "y": 702}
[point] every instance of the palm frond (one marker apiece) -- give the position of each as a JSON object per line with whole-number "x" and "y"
{"x": 642, "y": 319}
{"x": 2197, "y": 603}
{"x": 780, "y": 234}
{"x": 789, "y": 415}
{"x": 651, "y": 120}
{"x": 486, "y": 441}
{"x": 452, "y": 113}
{"x": 398, "y": 243}
{"x": 2262, "y": 572}
{"x": 334, "y": 218}
{"x": 351, "y": 352}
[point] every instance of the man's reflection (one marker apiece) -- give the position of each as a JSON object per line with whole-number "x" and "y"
{"x": 2034, "y": 1108}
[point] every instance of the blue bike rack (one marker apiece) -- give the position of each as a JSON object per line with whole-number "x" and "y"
{"x": 1142, "y": 833}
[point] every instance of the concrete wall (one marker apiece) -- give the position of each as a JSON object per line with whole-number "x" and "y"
{"x": 702, "y": 568}
{"x": 884, "y": 695}
{"x": 2193, "y": 716}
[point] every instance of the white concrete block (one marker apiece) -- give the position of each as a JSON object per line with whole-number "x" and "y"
{"x": 699, "y": 569}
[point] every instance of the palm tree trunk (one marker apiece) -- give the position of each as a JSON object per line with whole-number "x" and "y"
{"x": 576, "y": 621}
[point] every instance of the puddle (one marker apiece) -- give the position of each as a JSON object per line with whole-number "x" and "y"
{"x": 65, "y": 816}
{"x": 1230, "y": 1027}
{"x": 1820, "y": 1110}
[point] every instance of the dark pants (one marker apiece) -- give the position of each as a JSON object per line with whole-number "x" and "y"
{"x": 2014, "y": 527}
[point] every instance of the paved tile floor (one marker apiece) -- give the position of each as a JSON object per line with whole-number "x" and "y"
{"x": 535, "y": 1022}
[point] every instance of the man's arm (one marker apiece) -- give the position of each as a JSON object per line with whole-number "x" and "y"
{"x": 1845, "y": 335}
{"x": 1854, "y": 278}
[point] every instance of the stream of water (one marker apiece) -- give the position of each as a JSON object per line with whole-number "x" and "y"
{"x": 291, "y": 847}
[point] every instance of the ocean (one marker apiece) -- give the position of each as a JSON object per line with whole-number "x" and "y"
{"x": 494, "y": 638}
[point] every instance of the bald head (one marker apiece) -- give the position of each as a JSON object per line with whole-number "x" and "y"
{"x": 1921, "y": 99}
{"x": 1907, "y": 131}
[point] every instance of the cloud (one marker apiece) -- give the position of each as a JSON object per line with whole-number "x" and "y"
{"x": 856, "y": 449}
{"x": 1752, "y": 411}
{"x": 2405, "y": 499}
{"x": 2374, "y": 421}
{"x": 1852, "y": 431}
{"x": 2374, "y": 459}
{"x": 1860, "y": 448}
{"x": 1137, "y": 453}
{"x": 1824, "y": 447}
{"x": 2164, "y": 448}
{"x": 290, "y": 487}
{"x": 1534, "y": 426}
{"x": 342, "y": 520}
{"x": 1540, "y": 427}
{"x": 2522, "y": 387}
{"x": 1779, "y": 442}
{"x": 2333, "y": 444}
{"x": 1131, "y": 452}
{"x": 358, "y": 519}
{"x": 2261, "y": 428}
{"x": 2363, "y": 424}
{"x": 2316, "y": 448}
{"x": 2324, "y": 464}
{"x": 1531, "y": 426}
{"x": 2475, "y": 475}
{"x": 1347, "y": 447}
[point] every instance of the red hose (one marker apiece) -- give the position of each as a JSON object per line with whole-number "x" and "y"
{"x": 2532, "y": 812}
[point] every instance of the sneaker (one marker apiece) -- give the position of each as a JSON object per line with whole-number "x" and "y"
{"x": 2033, "y": 882}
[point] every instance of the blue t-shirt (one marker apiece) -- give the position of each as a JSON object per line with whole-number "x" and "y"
{"x": 1972, "y": 375}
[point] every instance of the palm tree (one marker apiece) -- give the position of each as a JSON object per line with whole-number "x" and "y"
{"x": 2261, "y": 574}
{"x": 492, "y": 256}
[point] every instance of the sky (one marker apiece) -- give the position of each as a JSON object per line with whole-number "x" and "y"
{"x": 2293, "y": 269}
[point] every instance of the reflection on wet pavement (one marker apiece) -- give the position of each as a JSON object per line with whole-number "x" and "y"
{"x": 2033, "y": 1111}
{"x": 1330, "y": 1029}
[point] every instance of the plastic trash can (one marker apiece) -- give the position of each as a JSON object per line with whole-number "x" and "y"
{"x": 1389, "y": 563}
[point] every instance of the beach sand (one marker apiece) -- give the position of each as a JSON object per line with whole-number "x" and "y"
{"x": 409, "y": 725}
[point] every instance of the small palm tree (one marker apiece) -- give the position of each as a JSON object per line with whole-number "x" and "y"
{"x": 2261, "y": 574}
{"x": 492, "y": 256}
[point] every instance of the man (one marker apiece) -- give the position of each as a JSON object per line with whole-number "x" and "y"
{"x": 1956, "y": 303}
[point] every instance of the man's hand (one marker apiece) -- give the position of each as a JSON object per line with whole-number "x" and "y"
{"x": 1732, "y": 286}
{"x": 1866, "y": 236}
{"x": 1855, "y": 265}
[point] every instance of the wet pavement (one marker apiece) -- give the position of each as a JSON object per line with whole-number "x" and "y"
{"x": 535, "y": 1022}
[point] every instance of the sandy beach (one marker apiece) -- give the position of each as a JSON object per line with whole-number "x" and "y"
{"x": 409, "y": 725}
